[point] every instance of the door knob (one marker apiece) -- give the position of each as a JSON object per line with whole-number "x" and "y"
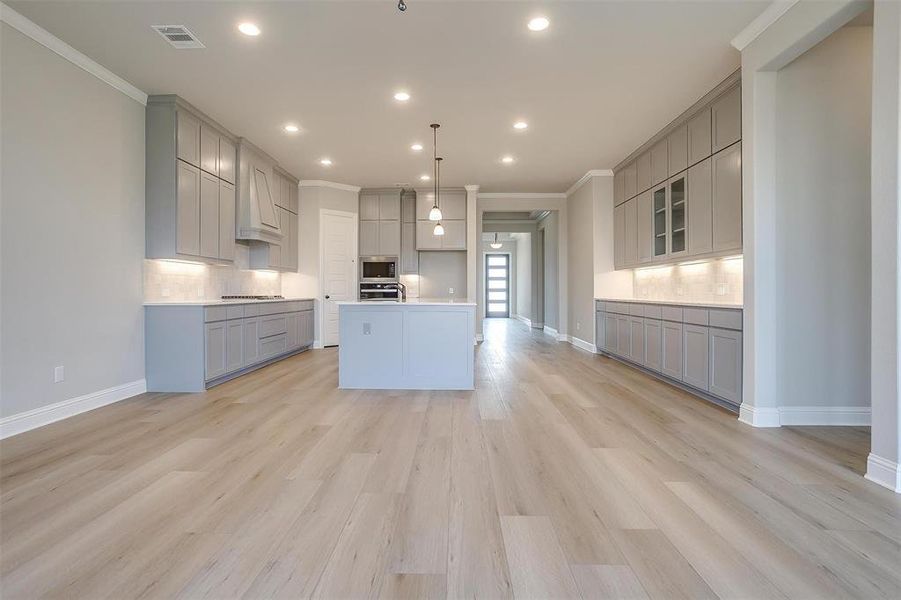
{"x": 327, "y": 296}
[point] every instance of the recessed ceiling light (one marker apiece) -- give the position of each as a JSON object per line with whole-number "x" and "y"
{"x": 520, "y": 125}
{"x": 416, "y": 147}
{"x": 249, "y": 29}
{"x": 401, "y": 96}
{"x": 539, "y": 24}
{"x": 325, "y": 162}
{"x": 424, "y": 177}
{"x": 507, "y": 160}
{"x": 292, "y": 128}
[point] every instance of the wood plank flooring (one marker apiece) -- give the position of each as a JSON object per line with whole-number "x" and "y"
{"x": 562, "y": 475}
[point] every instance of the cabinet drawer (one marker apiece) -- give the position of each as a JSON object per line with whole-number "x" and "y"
{"x": 620, "y": 308}
{"x": 695, "y": 316}
{"x": 305, "y": 305}
{"x": 672, "y": 313}
{"x": 273, "y": 308}
{"x": 234, "y": 312}
{"x": 636, "y": 310}
{"x": 251, "y": 310}
{"x": 215, "y": 313}
{"x": 725, "y": 318}
{"x": 600, "y": 305}
{"x": 653, "y": 311}
{"x": 273, "y": 325}
{"x": 273, "y": 346}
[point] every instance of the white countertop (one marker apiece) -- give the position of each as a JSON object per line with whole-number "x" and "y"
{"x": 220, "y": 302}
{"x": 408, "y": 302}
{"x": 671, "y": 303}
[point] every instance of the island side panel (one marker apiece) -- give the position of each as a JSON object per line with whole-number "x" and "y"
{"x": 173, "y": 348}
{"x": 438, "y": 348}
{"x": 370, "y": 355}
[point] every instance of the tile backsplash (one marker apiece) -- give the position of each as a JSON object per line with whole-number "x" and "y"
{"x": 717, "y": 281}
{"x": 166, "y": 280}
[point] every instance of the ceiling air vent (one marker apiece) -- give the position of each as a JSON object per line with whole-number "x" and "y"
{"x": 179, "y": 36}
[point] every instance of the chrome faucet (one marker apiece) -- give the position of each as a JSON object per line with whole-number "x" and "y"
{"x": 402, "y": 292}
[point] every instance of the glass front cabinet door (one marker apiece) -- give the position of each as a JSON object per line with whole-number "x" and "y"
{"x": 677, "y": 216}
{"x": 659, "y": 207}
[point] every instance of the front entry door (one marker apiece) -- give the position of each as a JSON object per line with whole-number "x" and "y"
{"x": 338, "y": 237}
{"x": 497, "y": 285}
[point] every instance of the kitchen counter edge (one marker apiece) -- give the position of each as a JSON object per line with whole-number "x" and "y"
{"x": 671, "y": 303}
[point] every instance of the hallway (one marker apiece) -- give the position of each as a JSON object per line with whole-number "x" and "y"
{"x": 564, "y": 474}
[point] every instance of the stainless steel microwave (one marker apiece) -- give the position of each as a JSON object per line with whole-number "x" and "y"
{"x": 378, "y": 268}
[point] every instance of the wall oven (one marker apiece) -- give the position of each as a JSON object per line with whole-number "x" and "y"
{"x": 378, "y": 269}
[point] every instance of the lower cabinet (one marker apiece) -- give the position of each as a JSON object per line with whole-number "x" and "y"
{"x": 234, "y": 345}
{"x": 251, "y": 341}
{"x": 696, "y": 356}
{"x": 215, "y": 349}
{"x": 610, "y": 333}
{"x": 636, "y": 333}
{"x": 623, "y": 336}
{"x": 671, "y": 363}
{"x": 725, "y": 364}
{"x": 653, "y": 354}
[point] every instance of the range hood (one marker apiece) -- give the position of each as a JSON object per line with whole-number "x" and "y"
{"x": 257, "y": 218}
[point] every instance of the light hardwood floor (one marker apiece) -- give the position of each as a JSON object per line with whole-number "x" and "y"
{"x": 563, "y": 475}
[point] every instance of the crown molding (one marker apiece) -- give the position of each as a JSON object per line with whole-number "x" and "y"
{"x": 43, "y": 37}
{"x": 471, "y": 188}
{"x": 523, "y": 195}
{"x": 329, "y": 184}
{"x": 586, "y": 177}
{"x": 755, "y": 28}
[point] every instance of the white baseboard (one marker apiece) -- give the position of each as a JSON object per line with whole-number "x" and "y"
{"x": 825, "y": 415}
{"x": 798, "y": 416}
{"x": 317, "y": 345}
{"x": 550, "y": 331}
{"x": 583, "y": 345}
{"x": 885, "y": 472}
{"x": 562, "y": 337}
{"x": 523, "y": 319}
{"x": 758, "y": 417}
{"x": 32, "y": 419}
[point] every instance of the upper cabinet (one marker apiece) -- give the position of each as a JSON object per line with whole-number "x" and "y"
{"x": 257, "y": 215}
{"x": 380, "y": 230}
{"x": 452, "y": 203}
{"x": 679, "y": 195}
{"x": 190, "y": 200}
{"x": 281, "y": 255}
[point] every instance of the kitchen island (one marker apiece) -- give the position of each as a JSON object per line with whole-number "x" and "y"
{"x": 412, "y": 345}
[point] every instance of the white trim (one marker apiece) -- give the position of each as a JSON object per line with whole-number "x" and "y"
{"x": 32, "y": 419}
{"x": 825, "y": 415}
{"x": 582, "y": 344}
{"x": 320, "y": 295}
{"x": 523, "y": 319}
{"x": 586, "y": 177}
{"x": 521, "y": 195}
{"x": 480, "y": 338}
{"x": 317, "y": 345}
{"x": 473, "y": 187}
{"x": 53, "y": 43}
{"x": 758, "y": 417}
{"x": 755, "y": 28}
{"x": 550, "y": 331}
{"x": 330, "y": 184}
{"x": 884, "y": 472}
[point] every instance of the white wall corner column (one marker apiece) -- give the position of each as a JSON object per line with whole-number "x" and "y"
{"x": 473, "y": 229}
{"x": 765, "y": 48}
{"x": 885, "y": 339}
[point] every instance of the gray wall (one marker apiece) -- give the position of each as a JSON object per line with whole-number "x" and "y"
{"x": 550, "y": 226}
{"x": 523, "y": 307}
{"x": 823, "y": 223}
{"x": 580, "y": 261}
{"x": 72, "y": 229}
{"x": 439, "y": 271}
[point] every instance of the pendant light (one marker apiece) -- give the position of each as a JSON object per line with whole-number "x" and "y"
{"x": 439, "y": 228}
{"x": 496, "y": 244}
{"x": 435, "y": 213}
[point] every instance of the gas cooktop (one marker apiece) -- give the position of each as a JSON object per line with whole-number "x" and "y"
{"x": 253, "y": 297}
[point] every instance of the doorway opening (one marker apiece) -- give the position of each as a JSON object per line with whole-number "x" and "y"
{"x": 497, "y": 286}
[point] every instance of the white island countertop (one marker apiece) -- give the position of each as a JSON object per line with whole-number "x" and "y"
{"x": 221, "y": 302}
{"x": 407, "y": 302}
{"x": 672, "y": 302}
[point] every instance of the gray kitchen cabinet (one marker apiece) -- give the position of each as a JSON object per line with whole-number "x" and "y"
{"x": 280, "y": 256}
{"x": 725, "y": 364}
{"x": 215, "y": 349}
{"x": 292, "y": 338}
{"x": 618, "y": 191}
{"x": 369, "y": 238}
{"x": 454, "y": 235}
{"x": 645, "y": 216}
{"x": 187, "y": 221}
{"x": 188, "y": 138}
{"x": 234, "y": 345}
{"x": 209, "y": 150}
{"x": 623, "y": 336}
{"x": 699, "y": 143}
{"x": 630, "y": 181}
{"x": 659, "y": 162}
{"x": 389, "y": 206}
{"x": 209, "y": 215}
{"x": 653, "y": 339}
{"x": 369, "y": 207}
{"x": 599, "y": 329}
{"x": 452, "y": 203}
{"x": 251, "y": 341}
{"x": 610, "y": 329}
{"x": 305, "y": 329}
{"x": 660, "y": 221}
{"x": 226, "y": 220}
{"x": 408, "y": 207}
{"x": 677, "y": 147}
{"x": 671, "y": 346}
{"x": 389, "y": 238}
{"x": 676, "y": 216}
{"x": 726, "y": 168}
{"x": 619, "y": 236}
{"x": 630, "y": 258}
{"x": 643, "y": 172}
{"x": 725, "y": 119}
{"x": 696, "y": 356}
{"x": 636, "y": 332}
{"x": 227, "y": 159}
{"x": 700, "y": 208}
{"x": 453, "y": 219}
{"x": 409, "y": 257}
{"x": 425, "y": 240}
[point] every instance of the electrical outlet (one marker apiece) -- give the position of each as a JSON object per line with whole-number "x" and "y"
{"x": 722, "y": 289}
{"x": 578, "y": 326}
{"x": 367, "y": 328}
{"x": 450, "y": 291}
{"x": 59, "y": 374}
{"x": 164, "y": 292}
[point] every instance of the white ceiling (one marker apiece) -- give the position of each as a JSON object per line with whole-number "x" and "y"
{"x": 601, "y": 80}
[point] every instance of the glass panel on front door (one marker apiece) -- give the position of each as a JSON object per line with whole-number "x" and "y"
{"x": 497, "y": 285}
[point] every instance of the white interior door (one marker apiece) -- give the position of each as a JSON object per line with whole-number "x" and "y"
{"x": 338, "y": 269}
